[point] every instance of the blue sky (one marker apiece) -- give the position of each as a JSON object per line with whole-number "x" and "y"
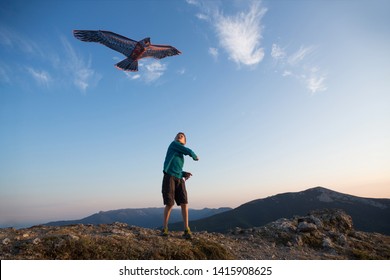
{"x": 274, "y": 96}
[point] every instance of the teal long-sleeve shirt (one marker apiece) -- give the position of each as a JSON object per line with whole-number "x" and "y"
{"x": 174, "y": 160}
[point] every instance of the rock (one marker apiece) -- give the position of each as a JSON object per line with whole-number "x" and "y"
{"x": 298, "y": 240}
{"x": 285, "y": 225}
{"x": 334, "y": 219}
{"x": 342, "y": 240}
{"x": 306, "y": 227}
{"x": 74, "y": 237}
{"x": 36, "y": 241}
{"x": 327, "y": 243}
{"x": 121, "y": 225}
{"x": 6, "y": 241}
{"x": 316, "y": 221}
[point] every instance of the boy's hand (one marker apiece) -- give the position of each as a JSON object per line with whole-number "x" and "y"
{"x": 186, "y": 175}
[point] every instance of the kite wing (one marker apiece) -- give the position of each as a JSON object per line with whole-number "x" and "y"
{"x": 160, "y": 51}
{"x": 112, "y": 40}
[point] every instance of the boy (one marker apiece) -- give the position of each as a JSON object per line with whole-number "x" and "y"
{"x": 173, "y": 186}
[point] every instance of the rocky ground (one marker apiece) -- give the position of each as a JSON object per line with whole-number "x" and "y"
{"x": 324, "y": 234}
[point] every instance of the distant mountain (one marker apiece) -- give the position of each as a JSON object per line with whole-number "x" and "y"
{"x": 368, "y": 214}
{"x": 142, "y": 217}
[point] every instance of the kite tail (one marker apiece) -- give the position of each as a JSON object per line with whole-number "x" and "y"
{"x": 127, "y": 64}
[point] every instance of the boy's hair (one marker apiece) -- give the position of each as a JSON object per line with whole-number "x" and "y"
{"x": 181, "y": 133}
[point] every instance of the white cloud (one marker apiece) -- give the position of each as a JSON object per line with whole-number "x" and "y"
{"x": 299, "y": 55}
{"x": 202, "y": 16}
{"x": 40, "y": 76}
{"x": 132, "y": 76}
{"x": 16, "y": 41}
{"x": 277, "y": 52}
{"x": 154, "y": 71}
{"x": 213, "y": 52}
{"x": 149, "y": 71}
{"x": 297, "y": 66}
{"x": 56, "y": 67}
{"x": 82, "y": 77}
{"x": 81, "y": 72}
{"x": 316, "y": 81}
{"x": 181, "y": 71}
{"x": 240, "y": 35}
{"x": 316, "y": 84}
{"x": 193, "y": 2}
{"x": 4, "y": 74}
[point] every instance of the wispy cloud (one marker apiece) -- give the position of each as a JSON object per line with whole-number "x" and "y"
{"x": 181, "y": 71}
{"x": 277, "y": 52}
{"x": 42, "y": 77}
{"x": 80, "y": 70}
{"x": 239, "y": 35}
{"x": 149, "y": 71}
{"x": 132, "y": 76}
{"x": 298, "y": 66}
{"x": 193, "y": 2}
{"x": 316, "y": 81}
{"x": 4, "y": 74}
{"x": 154, "y": 71}
{"x": 300, "y": 55}
{"x": 18, "y": 42}
{"x": 202, "y": 16}
{"x": 47, "y": 65}
{"x": 214, "y": 52}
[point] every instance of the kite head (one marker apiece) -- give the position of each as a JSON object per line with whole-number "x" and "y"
{"x": 146, "y": 42}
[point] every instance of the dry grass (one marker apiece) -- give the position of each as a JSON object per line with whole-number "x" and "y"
{"x": 72, "y": 243}
{"x": 278, "y": 240}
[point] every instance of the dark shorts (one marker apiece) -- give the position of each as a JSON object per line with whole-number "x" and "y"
{"x": 174, "y": 189}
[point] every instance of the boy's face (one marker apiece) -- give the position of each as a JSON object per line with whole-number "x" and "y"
{"x": 181, "y": 138}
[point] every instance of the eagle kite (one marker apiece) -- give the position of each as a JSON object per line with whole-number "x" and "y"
{"x": 133, "y": 50}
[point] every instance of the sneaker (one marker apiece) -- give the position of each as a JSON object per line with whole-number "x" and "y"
{"x": 164, "y": 232}
{"x": 187, "y": 233}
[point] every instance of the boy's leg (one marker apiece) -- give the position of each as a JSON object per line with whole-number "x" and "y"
{"x": 168, "y": 192}
{"x": 184, "y": 213}
{"x": 167, "y": 213}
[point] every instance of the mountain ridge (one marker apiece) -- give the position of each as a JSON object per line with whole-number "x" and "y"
{"x": 150, "y": 217}
{"x": 369, "y": 214}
